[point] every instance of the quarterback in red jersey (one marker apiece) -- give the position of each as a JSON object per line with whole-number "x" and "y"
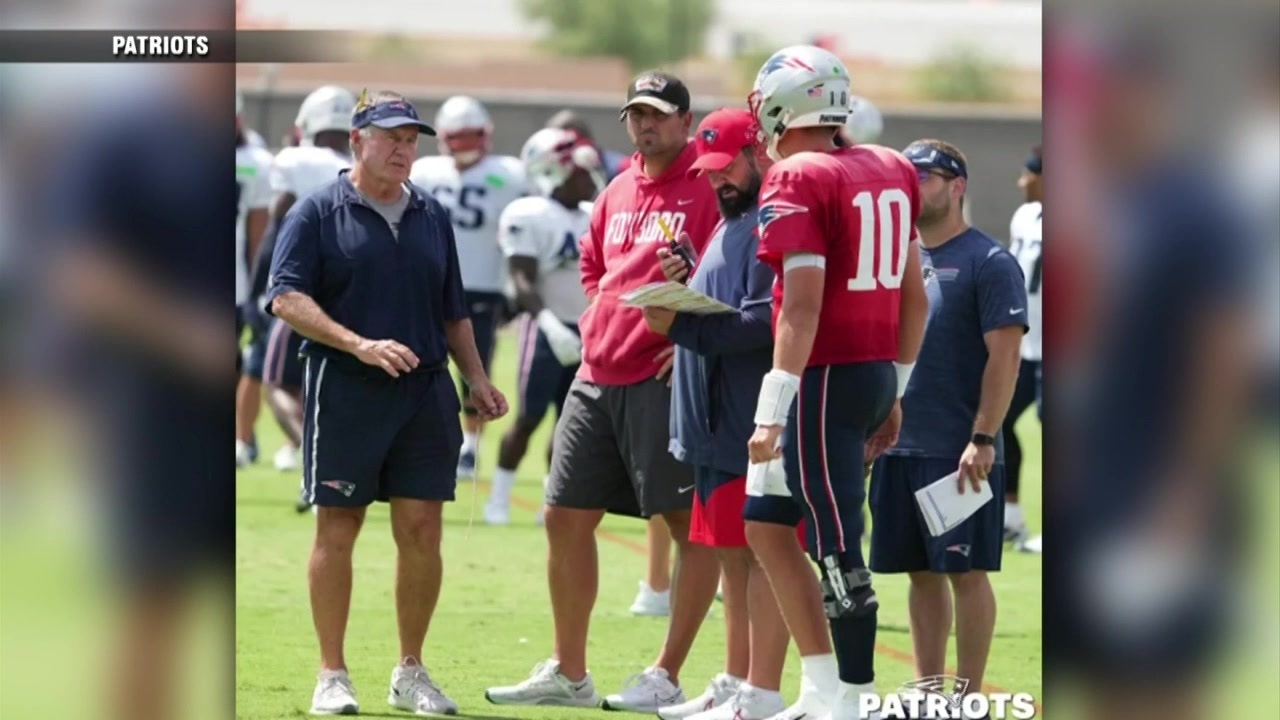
{"x": 836, "y": 224}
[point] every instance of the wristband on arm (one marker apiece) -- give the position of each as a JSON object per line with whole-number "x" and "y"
{"x": 777, "y": 393}
{"x": 904, "y": 376}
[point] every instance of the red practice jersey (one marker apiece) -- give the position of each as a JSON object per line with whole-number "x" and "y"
{"x": 857, "y": 207}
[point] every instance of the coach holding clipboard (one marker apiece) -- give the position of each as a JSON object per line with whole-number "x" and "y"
{"x": 367, "y": 271}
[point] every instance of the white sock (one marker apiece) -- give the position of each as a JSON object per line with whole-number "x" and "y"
{"x": 470, "y": 442}
{"x": 822, "y": 674}
{"x": 500, "y": 487}
{"x": 1013, "y": 515}
{"x": 849, "y": 692}
{"x": 767, "y": 695}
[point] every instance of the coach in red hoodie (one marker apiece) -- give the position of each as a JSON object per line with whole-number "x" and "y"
{"x": 610, "y": 448}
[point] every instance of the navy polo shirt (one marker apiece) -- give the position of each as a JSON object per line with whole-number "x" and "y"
{"x": 336, "y": 248}
{"x": 974, "y": 286}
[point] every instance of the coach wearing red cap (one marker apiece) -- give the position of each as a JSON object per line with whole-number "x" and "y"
{"x": 720, "y": 360}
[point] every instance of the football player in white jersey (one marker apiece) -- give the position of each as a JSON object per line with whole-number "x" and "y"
{"x": 539, "y": 236}
{"x": 475, "y": 187}
{"x": 323, "y": 128}
{"x": 253, "y": 196}
{"x": 865, "y": 123}
{"x": 1024, "y": 243}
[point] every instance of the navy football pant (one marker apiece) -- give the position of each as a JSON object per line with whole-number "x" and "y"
{"x": 837, "y": 408}
{"x": 1025, "y": 392}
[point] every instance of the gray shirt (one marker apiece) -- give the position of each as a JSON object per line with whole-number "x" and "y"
{"x": 392, "y": 211}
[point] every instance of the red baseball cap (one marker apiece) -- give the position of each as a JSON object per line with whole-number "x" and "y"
{"x": 721, "y": 136}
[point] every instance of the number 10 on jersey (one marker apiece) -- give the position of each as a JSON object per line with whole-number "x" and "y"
{"x": 881, "y": 228}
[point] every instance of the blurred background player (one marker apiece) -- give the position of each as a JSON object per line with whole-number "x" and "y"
{"x": 849, "y": 305}
{"x": 539, "y": 235}
{"x": 474, "y": 187}
{"x": 613, "y": 162}
{"x": 322, "y": 126}
{"x": 253, "y": 197}
{"x": 865, "y": 123}
{"x": 1024, "y": 244}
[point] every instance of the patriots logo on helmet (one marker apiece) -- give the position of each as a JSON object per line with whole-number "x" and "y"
{"x": 774, "y": 211}
{"x": 710, "y": 135}
{"x": 777, "y": 62}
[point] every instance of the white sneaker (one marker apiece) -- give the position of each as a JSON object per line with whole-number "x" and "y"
{"x": 1016, "y": 534}
{"x": 722, "y": 689}
{"x": 651, "y": 603}
{"x": 244, "y": 457}
{"x": 286, "y": 459}
{"x": 413, "y": 689}
{"x": 1034, "y": 545}
{"x": 809, "y": 707}
{"x": 546, "y": 686}
{"x": 496, "y": 515}
{"x": 334, "y": 694}
{"x": 750, "y": 703}
{"x": 645, "y": 692}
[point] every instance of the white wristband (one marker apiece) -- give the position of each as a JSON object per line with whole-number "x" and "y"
{"x": 549, "y": 323}
{"x": 777, "y": 392}
{"x": 904, "y": 376}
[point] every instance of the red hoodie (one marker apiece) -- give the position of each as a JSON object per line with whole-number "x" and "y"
{"x": 619, "y": 255}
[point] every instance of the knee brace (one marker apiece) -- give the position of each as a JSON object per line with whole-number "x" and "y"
{"x": 847, "y": 593}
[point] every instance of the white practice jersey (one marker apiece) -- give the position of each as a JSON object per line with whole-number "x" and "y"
{"x": 253, "y": 192}
{"x": 541, "y": 228}
{"x": 302, "y": 170}
{"x": 475, "y": 199}
{"x": 1024, "y": 243}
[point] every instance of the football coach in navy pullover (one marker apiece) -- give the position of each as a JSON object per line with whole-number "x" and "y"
{"x": 367, "y": 271}
{"x": 720, "y": 361}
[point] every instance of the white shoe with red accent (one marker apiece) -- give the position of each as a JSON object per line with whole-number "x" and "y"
{"x": 719, "y": 692}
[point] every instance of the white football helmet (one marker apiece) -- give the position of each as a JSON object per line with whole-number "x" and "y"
{"x": 552, "y": 154}
{"x": 800, "y": 86}
{"x": 865, "y": 122}
{"x": 327, "y": 108}
{"x": 463, "y": 114}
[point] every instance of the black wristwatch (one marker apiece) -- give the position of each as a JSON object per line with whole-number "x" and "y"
{"x": 981, "y": 439}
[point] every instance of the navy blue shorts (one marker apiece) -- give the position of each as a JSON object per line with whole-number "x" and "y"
{"x": 900, "y": 539}
{"x": 543, "y": 381}
{"x": 367, "y": 436}
{"x": 282, "y": 367}
{"x": 837, "y": 407}
{"x": 485, "y": 308}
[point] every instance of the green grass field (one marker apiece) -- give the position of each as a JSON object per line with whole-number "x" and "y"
{"x": 494, "y": 618}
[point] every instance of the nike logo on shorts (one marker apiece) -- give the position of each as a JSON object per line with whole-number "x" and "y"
{"x": 684, "y": 490}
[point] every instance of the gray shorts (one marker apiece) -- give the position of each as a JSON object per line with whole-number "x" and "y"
{"x": 610, "y": 452}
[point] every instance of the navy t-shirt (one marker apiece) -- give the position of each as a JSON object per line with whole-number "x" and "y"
{"x": 337, "y": 249}
{"x": 974, "y": 286}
